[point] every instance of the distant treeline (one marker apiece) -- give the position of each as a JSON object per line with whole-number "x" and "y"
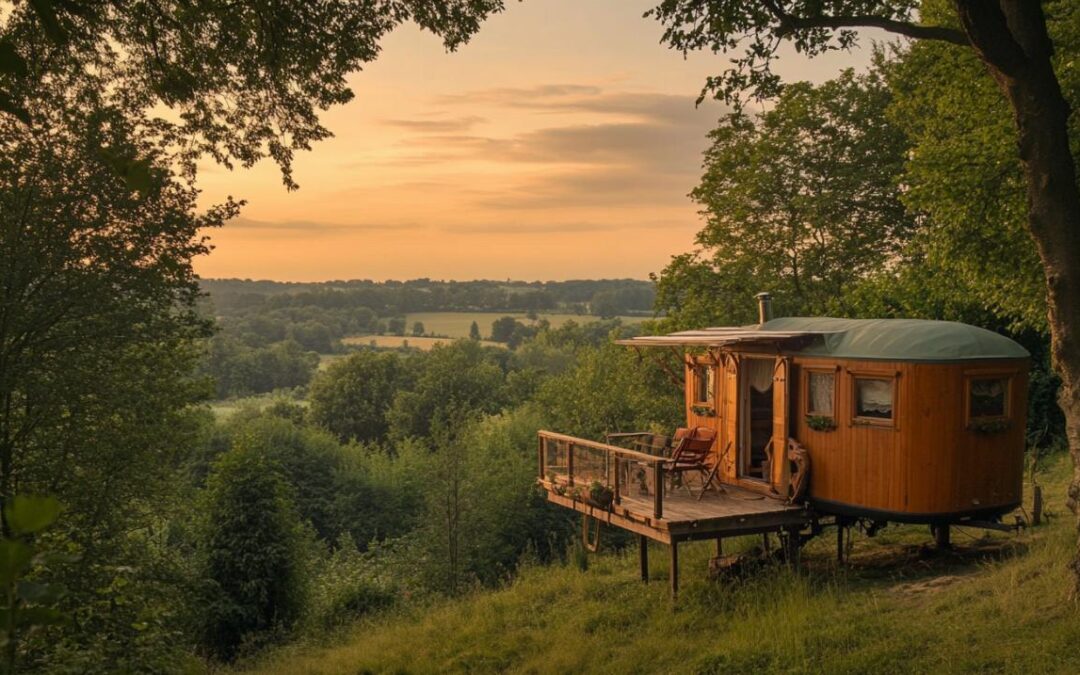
{"x": 600, "y": 297}
{"x": 270, "y": 332}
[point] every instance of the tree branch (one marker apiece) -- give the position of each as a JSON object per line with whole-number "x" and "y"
{"x": 790, "y": 23}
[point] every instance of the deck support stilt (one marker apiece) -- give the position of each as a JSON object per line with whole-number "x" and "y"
{"x": 840, "y": 526}
{"x": 789, "y": 539}
{"x": 673, "y": 569}
{"x": 643, "y": 556}
{"x": 941, "y": 537}
{"x": 719, "y": 547}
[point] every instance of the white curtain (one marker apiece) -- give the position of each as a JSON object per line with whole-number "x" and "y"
{"x": 875, "y": 396}
{"x": 759, "y": 374}
{"x": 821, "y": 392}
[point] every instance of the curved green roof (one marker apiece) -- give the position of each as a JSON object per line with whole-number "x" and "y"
{"x": 898, "y": 339}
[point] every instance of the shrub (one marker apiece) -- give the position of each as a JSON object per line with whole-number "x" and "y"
{"x": 252, "y": 554}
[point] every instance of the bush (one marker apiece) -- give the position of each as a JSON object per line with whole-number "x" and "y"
{"x": 345, "y": 586}
{"x": 251, "y": 554}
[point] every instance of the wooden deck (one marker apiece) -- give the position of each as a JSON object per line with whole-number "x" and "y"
{"x": 732, "y": 512}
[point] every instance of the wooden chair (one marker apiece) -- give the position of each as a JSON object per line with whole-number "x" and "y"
{"x": 692, "y": 455}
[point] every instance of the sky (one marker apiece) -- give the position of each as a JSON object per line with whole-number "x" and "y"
{"x": 560, "y": 143}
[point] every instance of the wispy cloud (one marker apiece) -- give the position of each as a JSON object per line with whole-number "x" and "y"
{"x": 437, "y": 126}
{"x": 314, "y": 227}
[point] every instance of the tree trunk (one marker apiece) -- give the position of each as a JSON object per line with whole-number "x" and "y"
{"x": 1012, "y": 39}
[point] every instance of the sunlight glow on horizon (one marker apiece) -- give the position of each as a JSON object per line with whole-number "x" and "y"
{"x": 560, "y": 143}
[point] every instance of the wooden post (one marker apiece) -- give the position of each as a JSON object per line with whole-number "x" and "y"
{"x": 617, "y": 481}
{"x": 840, "y": 541}
{"x": 790, "y": 539}
{"x": 643, "y": 556}
{"x": 941, "y": 536}
{"x": 658, "y": 491}
{"x": 1036, "y": 505}
{"x": 719, "y": 547}
{"x": 540, "y": 444}
{"x": 673, "y": 569}
{"x": 570, "y": 463}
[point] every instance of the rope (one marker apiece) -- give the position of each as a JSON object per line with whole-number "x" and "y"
{"x": 592, "y": 544}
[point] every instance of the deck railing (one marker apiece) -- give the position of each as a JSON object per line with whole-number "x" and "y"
{"x": 572, "y": 464}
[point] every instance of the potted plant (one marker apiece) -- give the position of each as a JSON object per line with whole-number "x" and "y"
{"x": 600, "y": 495}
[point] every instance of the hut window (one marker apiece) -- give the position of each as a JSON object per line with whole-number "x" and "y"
{"x": 873, "y": 399}
{"x": 820, "y": 392}
{"x": 704, "y": 385}
{"x": 987, "y": 397}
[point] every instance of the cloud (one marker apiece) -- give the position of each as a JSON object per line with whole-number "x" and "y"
{"x": 539, "y": 228}
{"x": 436, "y": 126}
{"x": 313, "y": 227}
{"x": 601, "y": 148}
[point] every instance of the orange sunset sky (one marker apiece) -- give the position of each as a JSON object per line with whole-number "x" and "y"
{"x": 560, "y": 143}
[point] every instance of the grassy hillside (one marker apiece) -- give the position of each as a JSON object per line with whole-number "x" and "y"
{"x": 997, "y": 604}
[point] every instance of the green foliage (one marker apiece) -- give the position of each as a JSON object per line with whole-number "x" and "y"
{"x": 965, "y": 175}
{"x": 242, "y": 87}
{"x": 352, "y": 397}
{"x": 28, "y": 604}
{"x": 801, "y": 201}
{"x": 474, "y": 331}
{"x": 453, "y": 382}
{"x": 345, "y": 585}
{"x": 239, "y": 370}
{"x": 483, "y": 510}
{"x": 610, "y": 390}
{"x": 251, "y": 554}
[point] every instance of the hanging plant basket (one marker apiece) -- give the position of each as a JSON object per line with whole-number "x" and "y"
{"x": 599, "y": 495}
{"x": 989, "y": 426}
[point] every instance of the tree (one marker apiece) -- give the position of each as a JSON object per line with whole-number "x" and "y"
{"x": 453, "y": 383}
{"x": 474, "y": 331}
{"x": 396, "y": 325}
{"x": 418, "y": 329}
{"x": 1013, "y": 41}
{"x": 251, "y": 553}
{"x": 352, "y": 398}
{"x": 245, "y": 81}
{"x": 801, "y": 200}
{"x": 503, "y": 328}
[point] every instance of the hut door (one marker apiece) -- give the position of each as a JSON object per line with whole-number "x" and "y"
{"x": 755, "y": 417}
{"x": 780, "y": 469}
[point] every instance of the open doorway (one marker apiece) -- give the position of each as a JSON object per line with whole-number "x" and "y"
{"x": 755, "y": 417}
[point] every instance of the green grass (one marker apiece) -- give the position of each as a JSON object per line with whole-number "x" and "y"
{"x": 997, "y": 605}
{"x": 456, "y": 324}
{"x": 223, "y": 409}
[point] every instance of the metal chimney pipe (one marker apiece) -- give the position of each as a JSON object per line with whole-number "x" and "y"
{"x": 764, "y": 304}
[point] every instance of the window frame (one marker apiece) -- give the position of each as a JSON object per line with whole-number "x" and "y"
{"x": 972, "y": 375}
{"x": 696, "y": 369}
{"x": 893, "y": 378}
{"x": 805, "y": 389}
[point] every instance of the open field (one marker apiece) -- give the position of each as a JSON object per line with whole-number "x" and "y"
{"x": 456, "y": 324}
{"x": 994, "y": 605}
{"x": 395, "y": 341}
{"x": 223, "y": 409}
